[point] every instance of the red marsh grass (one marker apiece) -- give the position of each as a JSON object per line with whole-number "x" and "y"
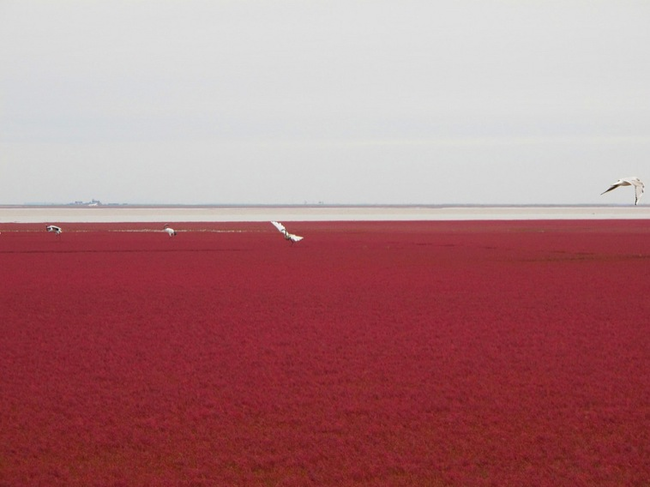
{"x": 383, "y": 353}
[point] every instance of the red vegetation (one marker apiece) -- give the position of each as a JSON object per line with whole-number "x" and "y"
{"x": 386, "y": 353}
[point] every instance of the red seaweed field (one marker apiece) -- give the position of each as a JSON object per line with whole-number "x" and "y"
{"x": 370, "y": 353}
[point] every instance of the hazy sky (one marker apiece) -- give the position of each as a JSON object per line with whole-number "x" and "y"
{"x": 350, "y": 101}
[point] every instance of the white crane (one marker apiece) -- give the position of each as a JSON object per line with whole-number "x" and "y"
{"x": 54, "y": 229}
{"x": 170, "y": 231}
{"x": 287, "y": 235}
{"x": 631, "y": 181}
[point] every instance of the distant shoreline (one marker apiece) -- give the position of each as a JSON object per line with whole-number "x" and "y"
{"x": 255, "y": 213}
{"x": 306, "y": 206}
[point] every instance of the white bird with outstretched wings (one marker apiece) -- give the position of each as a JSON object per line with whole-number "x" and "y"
{"x": 631, "y": 181}
{"x": 287, "y": 235}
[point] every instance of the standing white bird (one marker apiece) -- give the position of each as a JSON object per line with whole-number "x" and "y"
{"x": 287, "y": 235}
{"x": 54, "y": 228}
{"x": 631, "y": 181}
{"x": 170, "y": 231}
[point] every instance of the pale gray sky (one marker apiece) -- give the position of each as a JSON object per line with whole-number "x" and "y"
{"x": 340, "y": 101}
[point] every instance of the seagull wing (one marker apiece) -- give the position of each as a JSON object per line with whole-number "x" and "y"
{"x": 280, "y": 227}
{"x": 295, "y": 238}
{"x": 638, "y": 190}
{"x": 613, "y": 186}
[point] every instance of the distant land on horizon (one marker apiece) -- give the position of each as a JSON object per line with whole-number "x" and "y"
{"x": 98, "y": 204}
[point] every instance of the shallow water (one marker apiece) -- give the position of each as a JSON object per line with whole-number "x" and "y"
{"x": 32, "y": 214}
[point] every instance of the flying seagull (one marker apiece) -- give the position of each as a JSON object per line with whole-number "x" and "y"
{"x": 54, "y": 228}
{"x": 631, "y": 181}
{"x": 170, "y": 231}
{"x": 287, "y": 235}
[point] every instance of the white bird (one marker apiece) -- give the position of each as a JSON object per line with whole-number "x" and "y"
{"x": 631, "y": 181}
{"x": 287, "y": 235}
{"x": 170, "y": 231}
{"x": 54, "y": 228}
